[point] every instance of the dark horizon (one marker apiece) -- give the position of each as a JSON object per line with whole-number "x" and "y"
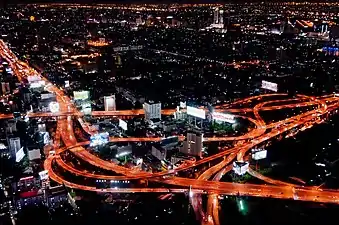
{"x": 8, "y": 2}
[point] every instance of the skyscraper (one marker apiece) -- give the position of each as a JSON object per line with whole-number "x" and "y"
{"x": 152, "y": 111}
{"x": 221, "y": 16}
{"x": 192, "y": 144}
{"x": 109, "y": 102}
{"x": 216, "y": 16}
{"x": 14, "y": 145}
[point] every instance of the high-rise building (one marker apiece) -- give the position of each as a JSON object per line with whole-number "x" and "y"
{"x": 221, "y": 16}
{"x": 216, "y": 16}
{"x": 3, "y": 88}
{"x": 152, "y": 111}
{"x": 192, "y": 144}
{"x": 14, "y": 145}
{"x": 109, "y": 102}
{"x": 11, "y": 126}
{"x": 8, "y": 88}
{"x": 138, "y": 21}
{"x": 159, "y": 153}
{"x": 324, "y": 28}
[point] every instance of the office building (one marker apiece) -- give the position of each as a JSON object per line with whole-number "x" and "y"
{"x": 109, "y": 102}
{"x": 34, "y": 154}
{"x": 152, "y": 111}
{"x": 14, "y": 145}
{"x": 11, "y": 126}
{"x": 216, "y": 16}
{"x": 42, "y": 127}
{"x": 3, "y": 88}
{"x": 159, "y": 152}
{"x": 192, "y": 144}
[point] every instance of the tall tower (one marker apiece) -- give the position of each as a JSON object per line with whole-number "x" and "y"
{"x": 221, "y": 16}
{"x": 216, "y": 16}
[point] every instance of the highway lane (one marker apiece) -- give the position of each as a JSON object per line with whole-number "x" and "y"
{"x": 213, "y": 187}
{"x": 164, "y": 112}
{"x": 242, "y": 148}
{"x": 267, "y": 179}
{"x": 301, "y": 194}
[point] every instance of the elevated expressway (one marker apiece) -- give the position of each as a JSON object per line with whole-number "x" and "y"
{"x": 261, "y": 133}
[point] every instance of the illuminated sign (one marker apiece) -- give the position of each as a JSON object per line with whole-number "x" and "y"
{"x": 35, "y": 84}
{"x": 34, "y": 154}
{"x": 223, "y": 117}
{"x": 200, "y": 113}
{"x": 258, "y": 154}
{"x": 32, "y": 79}
{"x": 139, "y": 161}
{"x": 183, "y": 105}
{"x": 19, "y": 155}
{"x": 54, "y": 107}
{"x": 135, "y": 47}
{"x": 43, "y": 175}
{"x": 47, "y": 96}
{"x": 81, "y": 95}
{"x": 269, "y": 86}
{"x": 123, "y": 124}
{"x": 66, "y": 83}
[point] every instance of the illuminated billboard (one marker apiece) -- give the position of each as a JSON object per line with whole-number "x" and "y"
{"x": 43, "y": 175}
{"x": 258, "y": 154}
{"x": 200, "y": 113}
{"x": 223, "y": 117}
{"x": 37, "y": 84}
{"x": 99, "y": 139}
{"x": 269, "y": 86}
{"x": 33, "y": 78}
{"x": 81, "y": 95}
{"x": 122, "y": 124}
{"x": 240, "y": 168}
{"x": 54, "y": 107}
{"x": 19, "y": 155}
{"x": 34, "y": 154}
{"x": 47, "y": 96}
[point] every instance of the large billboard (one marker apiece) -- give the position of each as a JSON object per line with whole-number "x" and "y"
{"x": 258, "y": 154}
{"x": 43, "y": 175}
{"x": 66, "y": 83}
{"x": 200, "y": 113}
{"x": 122, "y": 124}
{"x": 19, "y": 155}
{"x": 182, "y": 105}
{"x": 223, "y": 117}
{"x": 81, "y": 95}
{"x": 37, "y": 84}
{"x": 34, "y": 154}
{"x": 99, "y": 139}
{"x": 47, "y": 96}
{"x": 33, "y": 78}
{"x": 269, "y": 86}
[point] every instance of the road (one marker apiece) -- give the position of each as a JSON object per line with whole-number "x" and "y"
{"x": 260, "y": 134}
